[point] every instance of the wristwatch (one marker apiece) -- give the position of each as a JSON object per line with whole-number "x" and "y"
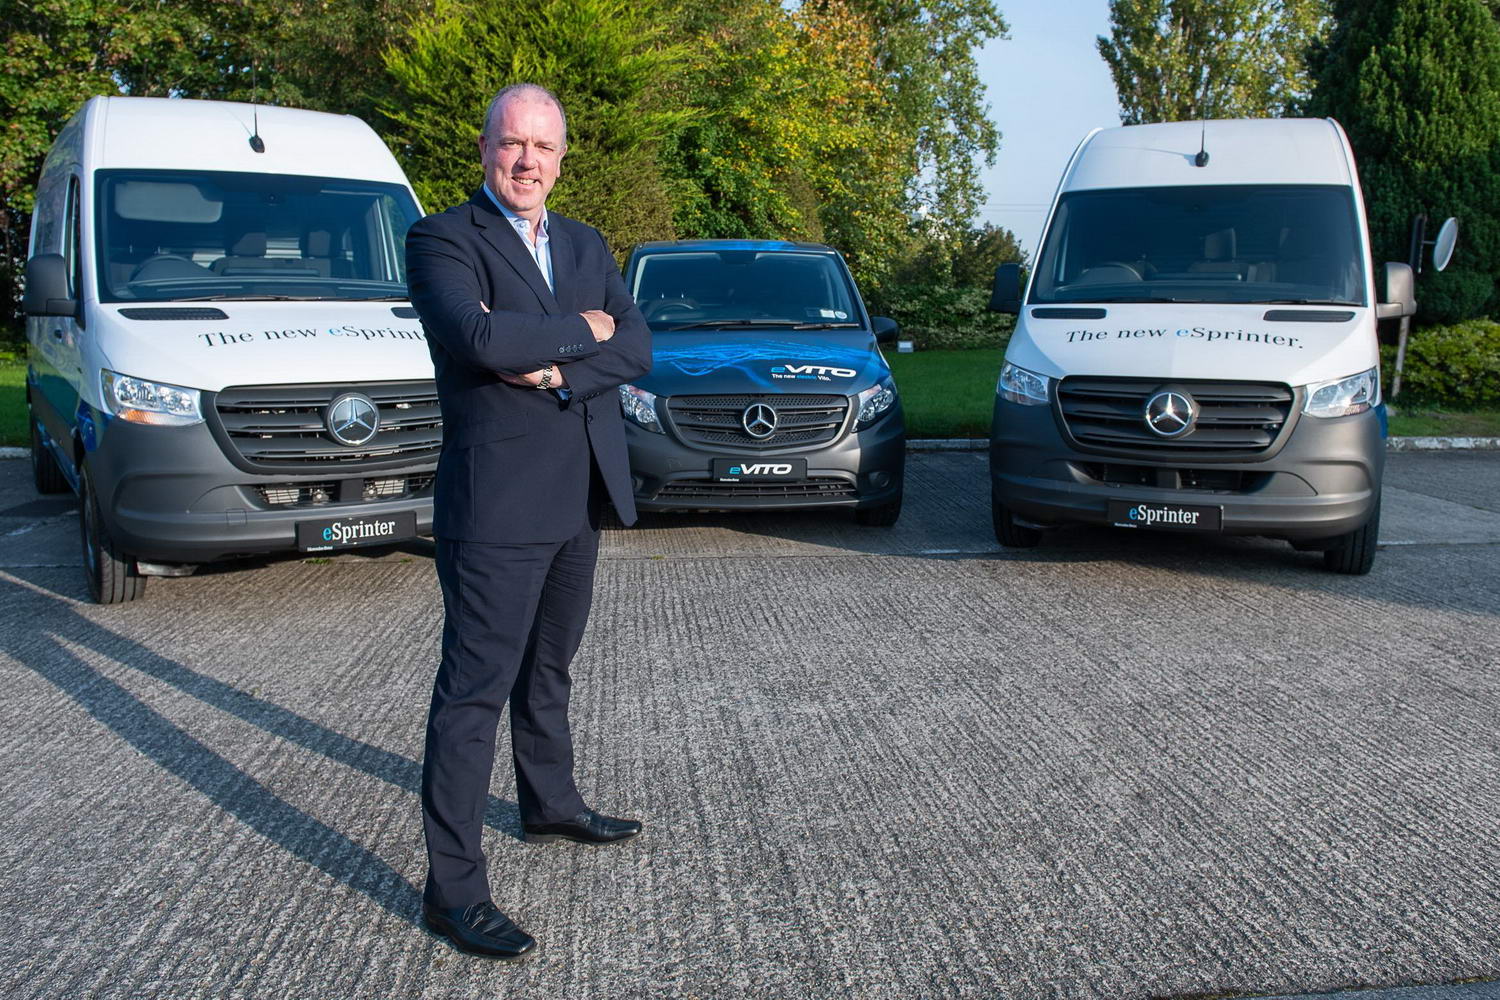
{"x": 546, "y": 382}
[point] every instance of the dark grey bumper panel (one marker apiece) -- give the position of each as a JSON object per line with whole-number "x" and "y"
{"x": 169, "y": 494}
{"x": 1322, "y": 482}
{"x": 857, "y": 470}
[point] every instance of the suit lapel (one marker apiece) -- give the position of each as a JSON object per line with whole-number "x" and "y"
{"x": 500, "y": 234}
{"x": 564, "y": 266}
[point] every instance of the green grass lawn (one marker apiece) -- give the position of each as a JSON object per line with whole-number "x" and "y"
{"x": 947, "y": 394}
{"x": 1436, "y": 423}
{"x": 13, "y": 401}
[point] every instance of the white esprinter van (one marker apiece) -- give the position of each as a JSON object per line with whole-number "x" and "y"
{"x": 222, "y": 360}
{"x": 1195, "y": 350}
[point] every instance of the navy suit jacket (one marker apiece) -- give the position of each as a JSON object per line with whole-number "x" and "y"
{"x": 516, "y": 462}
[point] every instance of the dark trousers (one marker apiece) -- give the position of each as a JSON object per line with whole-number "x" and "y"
{"x": 514, "y": 616}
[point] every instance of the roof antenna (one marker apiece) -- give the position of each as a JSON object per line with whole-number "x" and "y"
{"x": 257, "y": 143}
{"x": 1201, "y": 160}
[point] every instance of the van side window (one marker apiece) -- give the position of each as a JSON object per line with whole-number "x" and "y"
{"x": 72, "y": 239}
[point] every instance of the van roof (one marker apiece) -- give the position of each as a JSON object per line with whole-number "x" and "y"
{"x": 1240, "y": 151}
{"x": 178, "y": 134}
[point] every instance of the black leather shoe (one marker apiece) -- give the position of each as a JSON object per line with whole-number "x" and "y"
{"x": 480, "y": 930}
{"x": 588, "y": 827}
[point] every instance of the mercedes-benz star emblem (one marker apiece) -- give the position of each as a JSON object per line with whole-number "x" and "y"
{"x": 352, "y": 419}
{"x": 759, "y": 421}
{"x": 1170, "y": 413}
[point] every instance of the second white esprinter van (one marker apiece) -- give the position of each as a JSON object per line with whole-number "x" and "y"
{"x": 222, "y": 359}
{"x": 1195, "y": 350}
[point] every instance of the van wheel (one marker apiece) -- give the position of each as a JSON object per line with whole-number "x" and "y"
{"x": 45, "y": 472}
{"x": 1009, "y": 533}
{"x": 111, "y": 574}
{"x": 879, "y": 517}
{"x": 1354, "y": 553}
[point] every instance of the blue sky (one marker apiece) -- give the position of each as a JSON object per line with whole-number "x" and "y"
{"x": 1047, "y": 87}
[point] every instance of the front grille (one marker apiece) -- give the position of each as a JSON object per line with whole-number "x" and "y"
{"x": 343, "y": 490}
{"x": 281, "y": 426}
{"x": 1207, "y": 480}
{"x": 708, "y": 491}
{"x": 1235, "y": 418}
{"x": 801, "y": 420}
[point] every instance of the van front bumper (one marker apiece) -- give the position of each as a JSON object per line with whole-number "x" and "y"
{"x": 1323, "y": 482}
{"x": 859, "y": 469}
{"x": 170, "y": 495}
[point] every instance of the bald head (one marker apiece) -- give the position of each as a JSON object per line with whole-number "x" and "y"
{"x": 523, "y": 92}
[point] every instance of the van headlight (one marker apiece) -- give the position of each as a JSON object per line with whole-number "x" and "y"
{"x": 1343, "y": 397}
{"x": 1021, "y": 386}
{"x": 639, "y": 406}
{"x": 143, "y": 402}
{"x": 872, "y": 403}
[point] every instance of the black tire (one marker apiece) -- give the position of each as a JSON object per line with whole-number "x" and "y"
{"x": 45, "y": 472}
{"x": 111, "y": 575}
{"x": 1354, "y": 553}
{"x": 879, "y": 517}
{"x": 1010, "y": 534}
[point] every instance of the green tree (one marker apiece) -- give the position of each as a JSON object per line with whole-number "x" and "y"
{"x": 790, "y": 134}
{"x": 926, "y": 56}
{"x": 321, "y": 54}
{"x": 1176, "y": 60}
{"x": 1416, "y": 84}
{"x": 606, "y": 59}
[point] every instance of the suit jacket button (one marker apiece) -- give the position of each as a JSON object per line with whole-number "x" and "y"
{"x": 591, "y": 418}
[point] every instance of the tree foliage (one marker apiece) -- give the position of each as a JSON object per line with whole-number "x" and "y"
{"x": 1416, "y": 84}
{"x": 856, "y": 122}
{"x": 603, "y": 58}
{"x": 321, "y": 54}
{"x": 1177, "y": 60}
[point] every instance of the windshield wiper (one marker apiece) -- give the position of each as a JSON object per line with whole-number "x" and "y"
{"x": 723, "y": 324}
{"x": 259, "y": 297}
{"x": 1300, "y": 302}
{"x": 1112, "y": 301}
{"x": 826, "y": 326}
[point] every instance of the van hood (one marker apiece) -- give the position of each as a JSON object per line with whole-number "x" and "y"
{"x": 264, "y": 343}
{"x": 1174, "y": 341}
{"x": 724, "y": 361}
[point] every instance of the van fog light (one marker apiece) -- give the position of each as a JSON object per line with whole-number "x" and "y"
{"x": 1343, "y": 397}
{"x": 873, "y": 402}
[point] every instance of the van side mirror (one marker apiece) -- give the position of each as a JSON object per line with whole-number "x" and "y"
{"x": 885, "y": 329}
{"x": 1400, "y": 292}
{"x": 1005, "y": 295}
{"x": 47, "y": 287}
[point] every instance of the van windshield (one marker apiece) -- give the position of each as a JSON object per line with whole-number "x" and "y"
{"x": 1281, "y": 244}
{"x": 183, "y": 236}
{"x": 731, "y": 289}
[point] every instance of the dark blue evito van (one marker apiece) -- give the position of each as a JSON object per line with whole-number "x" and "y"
{"x": 769, "y": 390}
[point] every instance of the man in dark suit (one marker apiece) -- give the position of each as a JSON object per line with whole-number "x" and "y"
{"x": 531, "y": 331}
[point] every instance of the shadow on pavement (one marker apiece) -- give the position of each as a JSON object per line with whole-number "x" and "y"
{"x": 228, "y": 787}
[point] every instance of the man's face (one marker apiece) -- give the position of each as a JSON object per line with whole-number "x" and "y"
{"x": 522, "y": 151}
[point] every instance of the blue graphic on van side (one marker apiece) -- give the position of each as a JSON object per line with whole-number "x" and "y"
{"x": 705, "y": 359}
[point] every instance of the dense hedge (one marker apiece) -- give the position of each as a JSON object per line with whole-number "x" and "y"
{"x": 942, "y": 317}
{"x": 1455, "y": 367}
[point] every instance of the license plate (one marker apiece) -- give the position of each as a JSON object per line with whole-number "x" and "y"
{"x": 753, "y": 470}
{"x": 1165, "y": 516}
{"x": 352, "y": 532}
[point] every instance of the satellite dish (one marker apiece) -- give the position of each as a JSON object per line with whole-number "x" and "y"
{"x": 1442, "y": 247}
